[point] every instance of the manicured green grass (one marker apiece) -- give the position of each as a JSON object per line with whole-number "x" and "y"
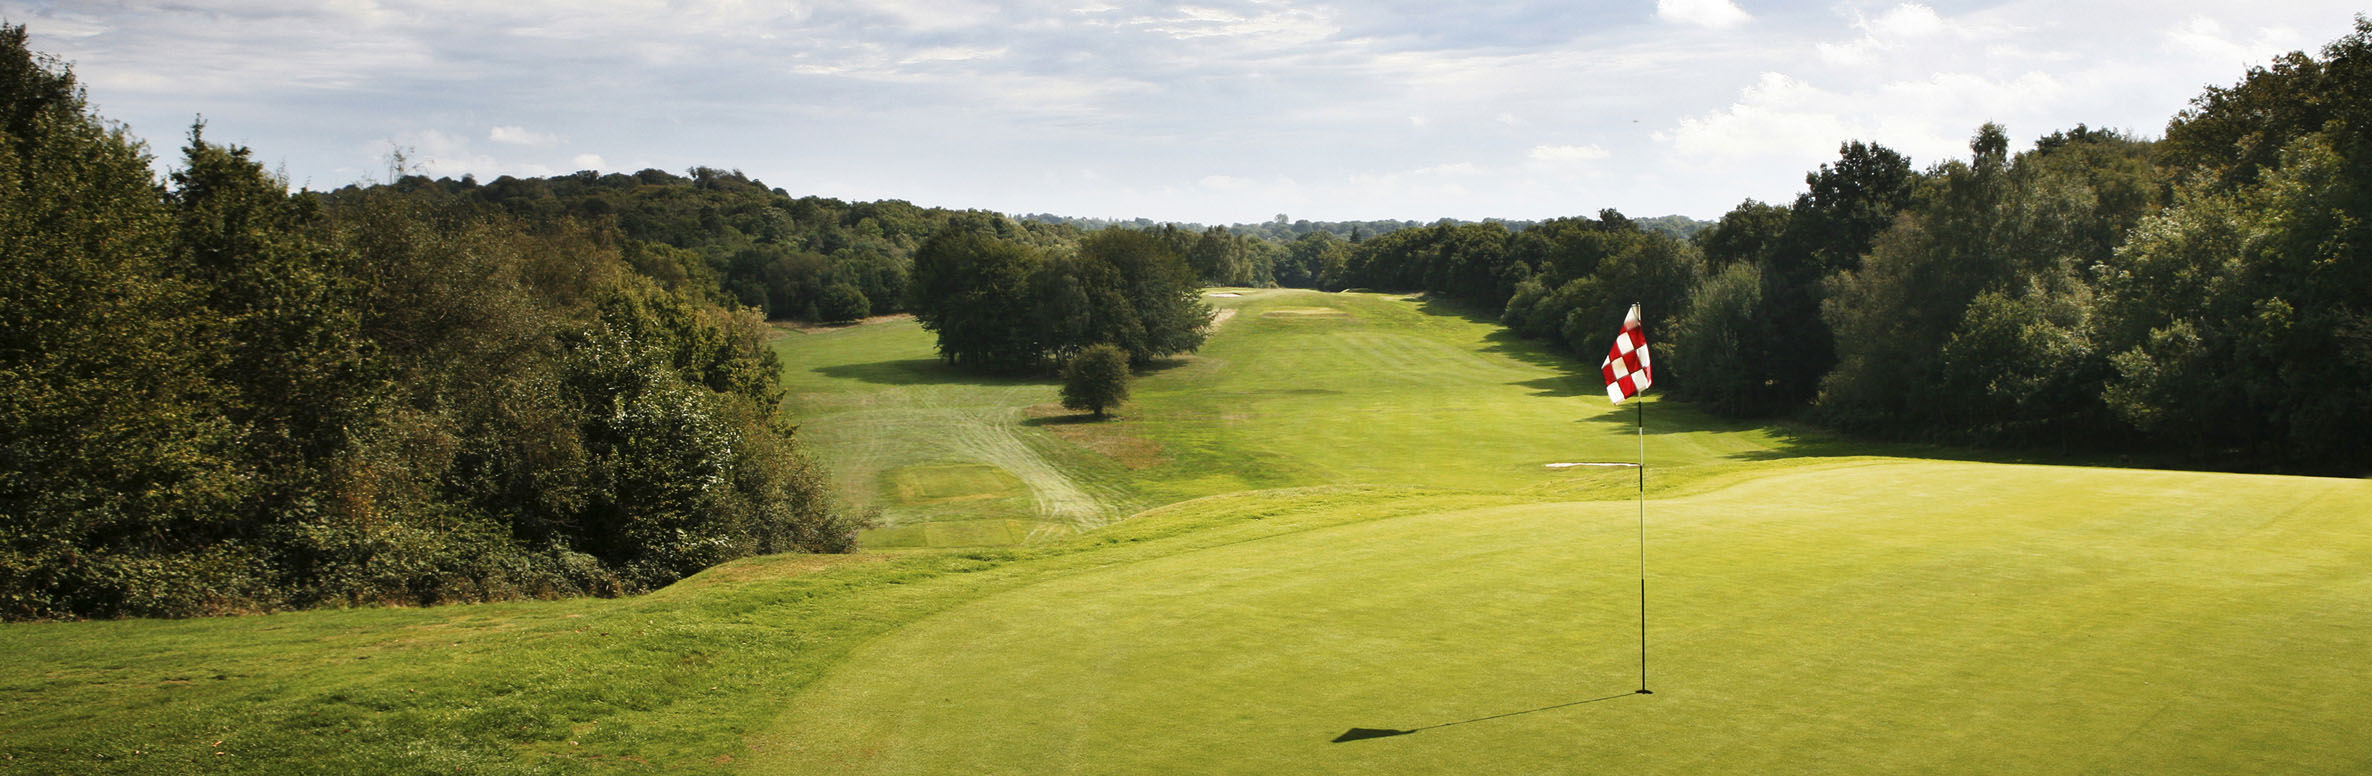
{"x": 1877, "y": 617}
{"x": 1305, "y": 388}
{"x": 1337, "y": 515}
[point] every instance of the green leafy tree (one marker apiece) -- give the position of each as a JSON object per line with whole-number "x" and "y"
{"x": 1892, "y": 314}
{"x": 1720, "y": 342}
{"x": 1096, "y": 379}
{"x": 1222, "y": 258}
{"x": 1154, "y": 283}
{"x": 1831, "y": 226}
{"x": 1750, "y": 232}
{"x": 280, "y": 324}
{"x": 1313, "y": 260}
{"x": 116, "y": 479}
{"x": 972, "y": 291}
{"x": 843, "y": 302}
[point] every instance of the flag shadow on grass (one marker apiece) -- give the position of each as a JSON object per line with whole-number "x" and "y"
{"x": 1362, "y": 734}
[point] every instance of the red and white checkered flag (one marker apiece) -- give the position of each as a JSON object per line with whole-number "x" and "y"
{"x": 1626, "y": 369}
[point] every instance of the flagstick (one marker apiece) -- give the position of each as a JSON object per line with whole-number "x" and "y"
{"x": 1641, "y": 414}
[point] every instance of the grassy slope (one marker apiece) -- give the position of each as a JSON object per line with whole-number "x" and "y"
{"x": 1800, "y": 622}
{"x": 950, "y": 458}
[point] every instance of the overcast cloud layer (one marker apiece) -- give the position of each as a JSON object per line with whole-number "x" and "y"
{"x": 1219, "y": 112}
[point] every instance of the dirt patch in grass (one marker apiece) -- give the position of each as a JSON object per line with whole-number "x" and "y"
{"x": 1106, "y": 438}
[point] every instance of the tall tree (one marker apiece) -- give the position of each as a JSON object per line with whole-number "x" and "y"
{"x": 1835, "y": 222}
{"x": 972, "y": 290}
{"x": 115, "y": 479}
{"x": 1155, "y": 284}
{"x": 1095, "y": 380}
{"x": 280, "y": 321}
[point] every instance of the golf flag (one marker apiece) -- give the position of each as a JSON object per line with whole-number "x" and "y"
{"x": 1626, "y": 369}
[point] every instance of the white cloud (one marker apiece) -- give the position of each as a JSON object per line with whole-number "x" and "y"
{"x": 587, "y": 161}
{"x": 1456, "y": 168}
{"x": 2207, "y": 39}
{"x": 1285, "y": 27}
{"x": 518, "y": 135}
{"x": 1568, "y": 153}
{"x": 1225, "y": 182}
{"x": 954, "y": 54}
{"x": 1717, "y": 14}
{"x": 1903, "y": 25}
{"x": 1903, "y": 22}
{"x": 1777, "y": 115}
{"x": 440, "y": 154}
{"x": 929, "y": 15}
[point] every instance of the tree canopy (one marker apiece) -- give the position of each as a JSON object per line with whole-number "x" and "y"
{"x": 217, "y": 395}
{"x": 1096, "y": 379}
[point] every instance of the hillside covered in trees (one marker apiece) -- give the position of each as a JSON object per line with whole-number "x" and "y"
{"x": 218, "y": 396}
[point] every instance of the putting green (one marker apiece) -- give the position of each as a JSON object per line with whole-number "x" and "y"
{"x": 1875, "y": 616}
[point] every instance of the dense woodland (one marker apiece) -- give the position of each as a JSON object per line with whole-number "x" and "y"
{"x": 219, "y": 395}
{"x": 2206, "y": 296}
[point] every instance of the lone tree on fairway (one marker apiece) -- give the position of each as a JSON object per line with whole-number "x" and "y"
{"x": 1095, "y": 379}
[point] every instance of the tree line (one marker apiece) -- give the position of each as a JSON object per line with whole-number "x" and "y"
{"x": 723, "y": 238}
{"x": 2208, "y": 294}
{"x": 217, "y": 395}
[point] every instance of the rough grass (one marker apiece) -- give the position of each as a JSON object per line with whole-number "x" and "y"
{"x": 874, "y": 403}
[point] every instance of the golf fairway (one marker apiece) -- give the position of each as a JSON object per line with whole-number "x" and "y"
{"x": 1864, "y": 616}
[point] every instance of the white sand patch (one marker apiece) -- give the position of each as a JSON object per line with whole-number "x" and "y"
{"x": 1571, "y": 465}
{"x": 1224, "y": 294}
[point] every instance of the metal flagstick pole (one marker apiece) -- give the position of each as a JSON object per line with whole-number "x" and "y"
{"x": 1641, "y": 414}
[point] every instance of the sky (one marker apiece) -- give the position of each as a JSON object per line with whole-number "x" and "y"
{"x": 1214, "y": 111}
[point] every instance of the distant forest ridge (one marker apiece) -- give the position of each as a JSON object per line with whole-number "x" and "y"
{"x": 1282, "y": 229}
